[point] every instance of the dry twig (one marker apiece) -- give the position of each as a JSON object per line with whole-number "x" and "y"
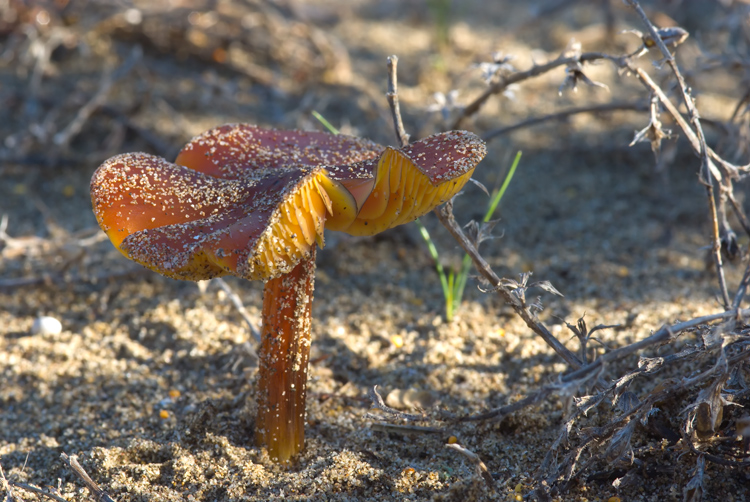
{"x": 607, "y": 107}
{"x": 63, "y": 138}
{"x": 445, "y": 215}
{"x": 705, "y": 173}
{"x": 479, "y": 466}
{"x": 38, "y": 491}
{"x": 404, "y": 429}
{"x": 237, "y": 302}
{"x": 392, "y": 95}
{"x": 99, "y": 494}
{"x": 514, "y": 78}
{"x": 377, "y": 402}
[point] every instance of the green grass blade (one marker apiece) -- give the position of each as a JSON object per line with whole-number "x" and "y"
{"x": 436, "y": 258}
{"x": 463, "y": 276}
{"x": 450, "y": 300}
{"x": 499, "y": 195}
{"x": 325, "y": 123}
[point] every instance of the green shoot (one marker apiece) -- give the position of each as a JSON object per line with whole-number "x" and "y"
{"x": 441, "y": 11}
{"x": 454, "y": 284}
{"x": 325, "y": 123}
{"x": 444, "y": 281}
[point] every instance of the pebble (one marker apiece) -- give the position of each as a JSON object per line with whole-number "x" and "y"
{"x": 46, "y": 326}
{"x": 410, "y": 399}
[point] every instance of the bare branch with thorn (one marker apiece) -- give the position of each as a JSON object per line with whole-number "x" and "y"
{"x": 705, "y": 172}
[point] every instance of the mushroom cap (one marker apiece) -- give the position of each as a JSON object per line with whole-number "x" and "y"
{"x": 232, "y": 151}
{"x": 188, "y": 225}
{"x": 252, "y": 202}
{"x": 411, "y": 181}
{"x": 236, "y": 151}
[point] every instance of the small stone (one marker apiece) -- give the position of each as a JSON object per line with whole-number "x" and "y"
{"x": 46, "y": 325}
{"x": 410, "y": 399}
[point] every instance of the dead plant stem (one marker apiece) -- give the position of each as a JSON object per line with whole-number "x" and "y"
{"x": 661, "y": 336}
{"x": 108, "y": 79}
{"x": 517, "y": 77}
{"x": 392, "y": 95}
{"x": 445, "y": 215}
{"x": 607, "y": 107}
{"x": 37, "y": 490}
{"x": 702, "y": 150}
{"x": 99, "y": 494}
{"x": 741, "y": 289}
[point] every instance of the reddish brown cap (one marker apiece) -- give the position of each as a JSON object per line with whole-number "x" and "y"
{"x": 188, "y": 225}
{"x": 252, "y": 202}
{"x": 234, "y": 150}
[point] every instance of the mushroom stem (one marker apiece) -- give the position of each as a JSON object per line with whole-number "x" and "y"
{"x": 284, "y": 353}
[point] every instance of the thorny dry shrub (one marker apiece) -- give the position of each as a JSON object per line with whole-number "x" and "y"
{"x": 602, "y": 415}
{"x": 611, "y": 433}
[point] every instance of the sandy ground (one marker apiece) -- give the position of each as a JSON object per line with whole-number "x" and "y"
{"x": 151, "y": 380}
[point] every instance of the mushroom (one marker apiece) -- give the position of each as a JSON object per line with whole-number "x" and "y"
{"x": 254, "y": 203}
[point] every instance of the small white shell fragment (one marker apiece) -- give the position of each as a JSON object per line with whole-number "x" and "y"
{"x": 46, "y": 325}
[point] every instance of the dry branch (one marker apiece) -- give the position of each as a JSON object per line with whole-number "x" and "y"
{"x": 63, "y": 138}
{"x": 479, "y": 466}
{"x": 706, "y": 175}
{"x": 377, "y": 402}
{"x": 514, "y": 78}
{"x": 607, "y": 107}
{"x": 392, "y": 95}
{"x": 445, "y": 215}
{"x": 99, "y": 494}
{"x": 37, "y": 490}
